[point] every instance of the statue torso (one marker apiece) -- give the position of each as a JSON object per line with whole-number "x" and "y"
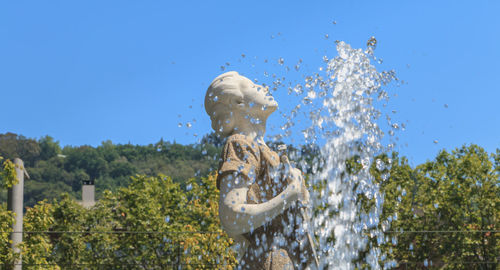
{"x": 260, "y": 166}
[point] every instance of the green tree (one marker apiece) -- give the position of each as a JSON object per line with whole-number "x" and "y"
{"x": 154, "y": 223}
{"x": 48, "y": 148}
{"x": 6, "y": 219}
{"x": 37, "y": 248}
{"x": 456, "y": 200}
{"x": 88, "y": 159}
{"x": 8, "y": 178}
{"x": 17, "y": 146}
{"x": 54, "y": 170}
{"x": 174, "y": 216}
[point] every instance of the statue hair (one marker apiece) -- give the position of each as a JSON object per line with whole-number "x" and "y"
{"x": 223, "y": 89}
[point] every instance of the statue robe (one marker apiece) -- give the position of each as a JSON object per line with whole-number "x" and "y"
{"x": 277, "y": 244}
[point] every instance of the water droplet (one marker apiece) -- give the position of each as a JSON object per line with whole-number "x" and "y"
{"x": 189, "y": 187}
{"x": 446, "y": 106}
{"x": 380, "y": 164}
{"x": 179, "y": 125}
{"x": 222, "y": 68}
{"x": 256, "y": 121}
{"x": 436, "y": 141}
{"x": 167, "y": 219}
{"x": 281, "y": 61}
{"x": 372, "y": 42}
{"x": 326, "y": 36}
{"x": 188, "y": 125}
{"x": 243, "y": 55}
{"x": 311, "y": 94}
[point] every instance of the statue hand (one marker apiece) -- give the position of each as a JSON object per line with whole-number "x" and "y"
{"x": 304, "y": 197}
{"x": 299, "y": 185}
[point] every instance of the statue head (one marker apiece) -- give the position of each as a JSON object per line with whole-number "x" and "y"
{"x": 232, "y": 99}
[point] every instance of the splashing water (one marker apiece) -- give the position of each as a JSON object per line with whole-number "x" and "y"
{"x": 343, "y": 119}
{"x": 340, "y": 105}
{"x": 353, "y": 82}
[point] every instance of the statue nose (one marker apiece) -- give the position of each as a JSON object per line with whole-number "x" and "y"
{"x": 266, "y": 90}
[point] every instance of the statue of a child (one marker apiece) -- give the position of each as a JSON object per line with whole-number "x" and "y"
{"x": 257, "y": 204}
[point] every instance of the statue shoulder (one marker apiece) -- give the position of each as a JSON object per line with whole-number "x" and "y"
{"x": 240, "y": 141}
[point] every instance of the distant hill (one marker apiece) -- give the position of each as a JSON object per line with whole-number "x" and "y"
{"x": 55, "y": 169}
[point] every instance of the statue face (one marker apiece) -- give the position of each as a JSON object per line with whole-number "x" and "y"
{"x": 259, "y": 102}
{"x": 231, "y": 100}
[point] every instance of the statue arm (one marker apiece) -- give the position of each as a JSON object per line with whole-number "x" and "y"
{"x": 239, "y": 217}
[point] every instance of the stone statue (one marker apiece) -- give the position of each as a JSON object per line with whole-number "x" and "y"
{"x": 260, "y": 193}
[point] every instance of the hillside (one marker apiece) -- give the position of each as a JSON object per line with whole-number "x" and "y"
{"x": 54, "y": 169}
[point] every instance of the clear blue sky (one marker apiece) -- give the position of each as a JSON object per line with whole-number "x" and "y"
{"x": 88, "y": 71}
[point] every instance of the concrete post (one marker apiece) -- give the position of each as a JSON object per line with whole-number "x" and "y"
{"x": 15, "y": 204}
{"x": 88, "y": 194}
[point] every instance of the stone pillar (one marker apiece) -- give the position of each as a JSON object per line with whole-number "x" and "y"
{"x": 15, "y": 204}
{"x": 88, "y": 194}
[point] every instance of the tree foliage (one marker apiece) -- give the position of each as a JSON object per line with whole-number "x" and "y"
{"x": 444, "y": 212}
{"x": 55, "y": 170}
{"x": 8, "y": 176}
{"x": 154, "y": 223}
{"x": 6, "y": 220}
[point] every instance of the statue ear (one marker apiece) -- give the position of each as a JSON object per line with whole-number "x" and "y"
{"x": 238, "y": 102}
